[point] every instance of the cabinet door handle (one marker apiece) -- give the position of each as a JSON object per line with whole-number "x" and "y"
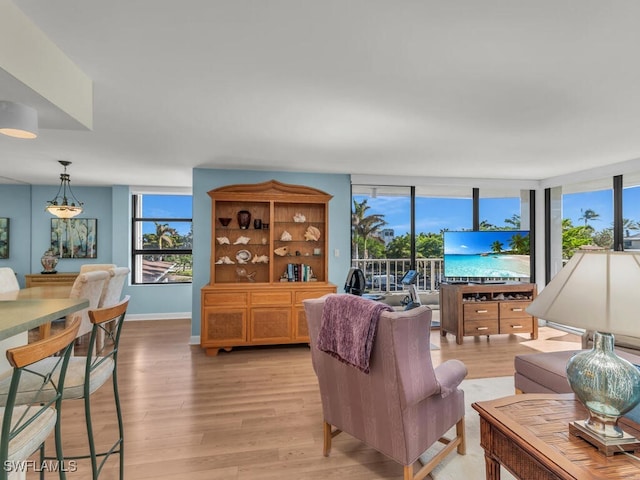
{"x": 517, "y": 309}
{"x": 516, "y": 326}
{"x": 482, "y": 311}
{"x": 482, "y": 328}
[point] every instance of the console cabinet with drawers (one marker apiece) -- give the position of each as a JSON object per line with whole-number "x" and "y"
{"x": 269, "y": 245}
{"x": 468, "y": 309}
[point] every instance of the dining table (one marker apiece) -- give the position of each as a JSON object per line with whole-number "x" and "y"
{"x": 36, "y": 306}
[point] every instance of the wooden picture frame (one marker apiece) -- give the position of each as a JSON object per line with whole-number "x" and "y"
{"x": 74, "y": 237}
{"x": 4, "y": 237}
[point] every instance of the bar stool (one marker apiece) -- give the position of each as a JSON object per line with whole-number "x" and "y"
{"x": 28, "y": 415}
{"x": 86, "y": 374}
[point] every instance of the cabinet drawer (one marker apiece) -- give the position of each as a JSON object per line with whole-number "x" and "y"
{"x": 481, "y": 310}
{"x": 221, "y": 299}
{"x": 481, "y": 327}
{"x": 270, "y": 298}
{"x": 516, "y": 325}
{"x": 514, "y": 310}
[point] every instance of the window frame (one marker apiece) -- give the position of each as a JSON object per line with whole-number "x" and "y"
{"x": 136, "y": 236}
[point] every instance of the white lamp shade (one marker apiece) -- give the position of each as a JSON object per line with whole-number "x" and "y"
{"x": 595, "y": 290}
{"x": 17, "y": 120}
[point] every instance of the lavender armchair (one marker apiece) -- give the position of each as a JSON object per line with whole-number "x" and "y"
{"x": 404, "y": 405}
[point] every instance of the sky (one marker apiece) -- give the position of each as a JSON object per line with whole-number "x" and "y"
{"x": 436, "y": 214}
{"x": 167, "y": 206}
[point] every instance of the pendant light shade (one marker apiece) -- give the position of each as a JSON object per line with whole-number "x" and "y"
{"x": 18, "y": 120}
{"x": 60, "y": 206}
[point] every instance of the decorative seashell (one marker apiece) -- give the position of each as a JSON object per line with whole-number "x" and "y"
{"x": 241, "y": 241}
{"x": 281, "y": 251}
{"x": 286, "y": 236}
{"x": 223, "y": 240}
{"x": 299, "y": 218}
{"x": 312, "y": 233}
{"x": 260, "y": 259}
{"x": 243, "y": 256}
{"x": 226, "y": 260}
{"x": 242, "y": 273}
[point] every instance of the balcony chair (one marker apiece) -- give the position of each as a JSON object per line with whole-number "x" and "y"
{"x": 403, "y": 405}
{"x": 28, "y": 417}
{"x": 86, "y": 374}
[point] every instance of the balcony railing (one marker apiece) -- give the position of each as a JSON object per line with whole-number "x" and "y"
{"x": 384, "y": 274}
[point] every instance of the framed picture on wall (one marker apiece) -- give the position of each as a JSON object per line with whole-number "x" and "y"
{"x": 74, "y": 237}
{"x": 4, "y": 238}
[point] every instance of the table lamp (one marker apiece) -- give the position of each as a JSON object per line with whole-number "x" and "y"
{"x": 599, "y": 291}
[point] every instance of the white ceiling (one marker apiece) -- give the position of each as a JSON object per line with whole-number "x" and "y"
{"x": 501, "y": 89}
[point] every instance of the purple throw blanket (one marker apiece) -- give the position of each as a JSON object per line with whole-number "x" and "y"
{"x": 348, "y": 328}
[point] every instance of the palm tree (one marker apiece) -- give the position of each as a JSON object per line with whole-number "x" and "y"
{"x": 365, "y": 226}
{"x": 588, "y": 215}
{"x": 164, "y": 234}
{"x": 497, "y": 246}
{"x": 513, "y": 222}
{"x": 519, "y": 244}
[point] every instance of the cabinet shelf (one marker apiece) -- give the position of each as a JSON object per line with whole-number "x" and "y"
{"x": 247, "y": 303}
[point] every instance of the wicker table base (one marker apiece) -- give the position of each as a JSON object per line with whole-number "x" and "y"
{"x": 529, "y": 435}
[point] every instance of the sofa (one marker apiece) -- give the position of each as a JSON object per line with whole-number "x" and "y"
{"x": 546, "y": 372}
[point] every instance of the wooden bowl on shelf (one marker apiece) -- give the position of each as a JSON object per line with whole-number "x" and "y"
{"x": 224, "y": 221}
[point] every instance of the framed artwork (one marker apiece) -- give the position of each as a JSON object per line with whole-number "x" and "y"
{"x": 4, "y": 238}
{"x": 74, "y": 237}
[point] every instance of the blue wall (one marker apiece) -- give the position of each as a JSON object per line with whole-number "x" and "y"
{"x": 339, "y": 220}
{"x": 30, "y": 229}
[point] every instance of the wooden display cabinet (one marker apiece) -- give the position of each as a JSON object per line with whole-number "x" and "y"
{"x": 486, "y": 309}
{"x": 261, "y": 273}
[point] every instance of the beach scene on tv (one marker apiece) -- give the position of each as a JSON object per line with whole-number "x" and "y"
{"x": 500, "y": 254}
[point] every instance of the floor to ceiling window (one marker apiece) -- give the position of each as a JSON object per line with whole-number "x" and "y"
{"x": 500, "y": 209}
{"x": 438, "y": 209}
{"x": 587, "y": 215}
{"x": 380, "y": 228}
{"x": 631, "y": 212}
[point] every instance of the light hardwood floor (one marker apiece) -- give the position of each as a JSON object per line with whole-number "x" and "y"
{"x": 251, "y": 413}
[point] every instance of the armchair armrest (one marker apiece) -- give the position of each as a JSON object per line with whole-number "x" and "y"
{"x": 449, "y": 375}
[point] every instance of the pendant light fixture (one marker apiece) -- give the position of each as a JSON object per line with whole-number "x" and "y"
{"x": 60, "y": 206}
{"x": 18, "y": 120}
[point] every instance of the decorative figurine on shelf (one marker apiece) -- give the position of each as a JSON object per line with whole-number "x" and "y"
{"x": 312, "y": 233}
{"x": 244, "y": 275}
{"x": 49, "y": 262}
{"x": 281, "y": 251}
{"x": 286, "y": 236}
{"x": 299, "y": 218}
{"x": 223, "y": 240}
{"x": 244, "y": 219}
{"x": 241, "y": 240}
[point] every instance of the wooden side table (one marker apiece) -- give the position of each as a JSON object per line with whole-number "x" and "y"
{"x": 50, "y": 279}
{"x": 529, "y": 435}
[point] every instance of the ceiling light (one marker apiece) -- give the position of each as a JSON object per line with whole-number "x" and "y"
{"x": 60, "y": 206}
{"x": 17, "y": 120}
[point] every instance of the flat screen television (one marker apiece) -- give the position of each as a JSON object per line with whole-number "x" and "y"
{"x": 487, "y": 255}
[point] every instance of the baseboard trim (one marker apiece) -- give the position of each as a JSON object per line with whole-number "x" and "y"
{"x": 194, "y": 340}
{"x": 159, "y": 316}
